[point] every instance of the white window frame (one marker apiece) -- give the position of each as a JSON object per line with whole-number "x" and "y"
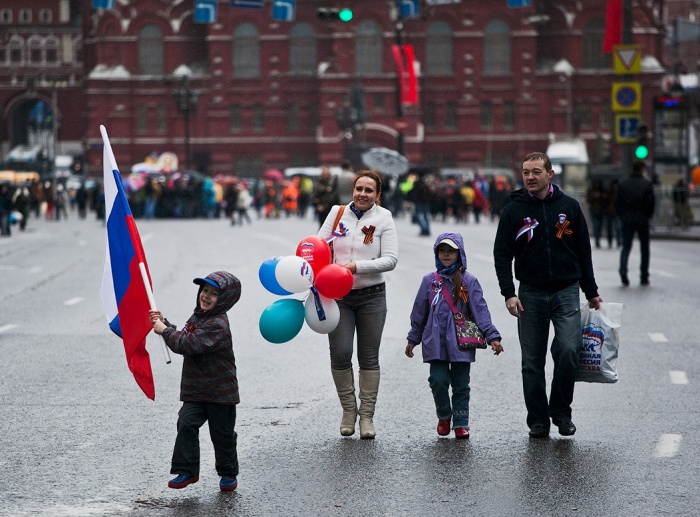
{"x": 25, "y": 16}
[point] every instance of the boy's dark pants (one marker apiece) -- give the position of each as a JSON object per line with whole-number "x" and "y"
{"x": 222, "y": 420}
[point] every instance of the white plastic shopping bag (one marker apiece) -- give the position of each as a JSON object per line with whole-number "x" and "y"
{"x": 597, "y": 357}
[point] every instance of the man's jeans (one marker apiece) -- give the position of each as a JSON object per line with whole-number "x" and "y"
{"x": 540, "y": 307}
{"x": 362, "y": 311}
{"x": 423, "y": 217}
{"x": 222, "y": 421}
{"x": 442, "y": 375}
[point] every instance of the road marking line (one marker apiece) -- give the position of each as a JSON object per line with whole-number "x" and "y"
{"x": 658, "y": 337}
{"x": 668, "y": 445}
{"x": 678, "y": 377}
{"x": 7, "y": 327}
{"x": 73, "y": 301}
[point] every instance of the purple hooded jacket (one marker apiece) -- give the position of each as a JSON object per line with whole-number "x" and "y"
{"x": 433, "y": 324}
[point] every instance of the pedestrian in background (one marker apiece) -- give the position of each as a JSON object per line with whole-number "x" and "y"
{"x": 681, "y": 210}
{"x": 209, "y": 386}
{"x": 613, "y": 225}
{"x": 544, "y": 231}
{"x": 635, "y": 206}
{"x": 432, "y": 323}
{"x": 596, "y": 199}
{"x": 325, "y": 195}
{"x": 369, "y": 248}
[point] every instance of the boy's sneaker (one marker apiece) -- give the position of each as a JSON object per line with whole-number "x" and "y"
{"x": 182, "y": 480}
{"x": 461, "y": 433}
{"x": 443, "y": 427}
{"x": 228, "y": 484}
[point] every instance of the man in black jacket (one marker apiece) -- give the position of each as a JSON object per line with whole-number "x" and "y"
{"x": 545, "y": 233}
{"x": 635, "y": 206}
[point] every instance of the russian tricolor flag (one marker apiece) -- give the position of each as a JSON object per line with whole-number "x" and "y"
{"x": 123, "y": 290}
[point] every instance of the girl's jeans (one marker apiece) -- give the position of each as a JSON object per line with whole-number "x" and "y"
{"x": 442, "y": 375}
{"x": 362, "y": 311}
{"x": 222, "y": 421}
{"x": 563, "y": 309}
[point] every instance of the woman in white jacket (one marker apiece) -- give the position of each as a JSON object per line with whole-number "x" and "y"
{"x": 368, "y": 247}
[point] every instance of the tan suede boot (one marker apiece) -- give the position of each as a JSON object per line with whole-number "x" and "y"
{"x": 345, "y": 386}
{"x": 369, "y": 386}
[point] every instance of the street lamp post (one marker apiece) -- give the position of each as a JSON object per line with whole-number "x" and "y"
{"x": 186, "y": 102}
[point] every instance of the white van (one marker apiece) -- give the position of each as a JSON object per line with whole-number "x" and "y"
{"x": 570, "y": 162}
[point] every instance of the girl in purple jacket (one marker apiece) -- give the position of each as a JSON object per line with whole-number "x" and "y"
{"x": 432, "y": 323}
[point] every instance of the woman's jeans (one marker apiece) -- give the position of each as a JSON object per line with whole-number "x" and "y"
{"x": 442, "y": 375}
{"x": 563, "y": 309}
{"x": 362, "y": 311}
{"x": 222, "y": 421}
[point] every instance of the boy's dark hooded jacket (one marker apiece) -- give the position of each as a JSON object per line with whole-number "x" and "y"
{"x": 209, "y": 366}
{"x": 549, "y": 241}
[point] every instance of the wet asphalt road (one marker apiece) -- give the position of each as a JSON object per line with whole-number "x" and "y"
{"x": 77, "y": 436}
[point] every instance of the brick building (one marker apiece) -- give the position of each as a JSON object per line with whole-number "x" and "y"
{"x": 495, "y": 82}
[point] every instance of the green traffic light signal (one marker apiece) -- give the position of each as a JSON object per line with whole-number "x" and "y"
{"x": 641, "y": 152}
{"x": 345, "y": 15}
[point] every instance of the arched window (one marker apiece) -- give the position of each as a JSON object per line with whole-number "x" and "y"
{"x": 438, "y": 50}
{"x": 593, "y": 56}
{"x": 151, "y": 51}
{"x": 52, "y": 47}
{"x": 497, "y": 48}
{"x": 368, "y": 48}
{"x": 16, "y": 50}
{"x": 36, "y": 51}
{"x": 246, "y": 51}
{"x": 302, "y": 50}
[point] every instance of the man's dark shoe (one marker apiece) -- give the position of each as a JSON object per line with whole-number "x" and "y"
{"x": 182, "y": 480}
{"x": 228, "y": 484}
{"x": 539, "y": 431}
{"x": 565, "y": 425}
{"x": 625, "y": 280}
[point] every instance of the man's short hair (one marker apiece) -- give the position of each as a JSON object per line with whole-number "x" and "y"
{"x": 539, "y": 156}
{"x": 638, "y": 167}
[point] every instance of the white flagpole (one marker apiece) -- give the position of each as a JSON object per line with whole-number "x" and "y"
{"x": 152, "y": 303}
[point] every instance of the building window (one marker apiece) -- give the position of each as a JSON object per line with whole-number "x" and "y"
{"x": 258, "y": 118}
{"x": 246, "y": 51}
{"x": 582, "y": 114}
{"x": 161, "y": 119}
{"x": 25, "y": 16}
{"x": 508, "y": 115}
{"x": 151, "y": 51}
{"x": 302, "y": 50}
{"x": 35, "y": 50}
{"x": 5, "y": 15}
{"x": 248, "y": 166}
{"x": 313, "y": 116}
{"x": 3, "y": 56}
{"x": 593, "y": 56}
{"x": 51, "y": 51}
{"x": 497, "y": 48}
{"x": 429, "y": 115}
{"x": 293, "y": 117}
{"x": 486, "y": 115}
{"x": 141, "y": 120}
{"x": 368, "y": 48}
{"x": 378, "y": 102}
{"x": 45, "y": 15}
{"x": 451, "y": 115}
{"x": 438, "y": 50}
{"x": 235, "y": 120}
{"x": 604, "y": 117}
{"x": 16, "y": 51}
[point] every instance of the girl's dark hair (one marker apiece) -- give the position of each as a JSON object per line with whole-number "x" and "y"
{"x": 457, "y": 279}
{"x": 374, "y": 175}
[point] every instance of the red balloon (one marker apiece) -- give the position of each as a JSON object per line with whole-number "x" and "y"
{"x": 315, "y": 251}
{"x": 333, "y": 281}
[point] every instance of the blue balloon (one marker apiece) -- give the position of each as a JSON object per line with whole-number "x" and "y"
{"x": 268, "y": 279}
{"x": 282, "y": 320}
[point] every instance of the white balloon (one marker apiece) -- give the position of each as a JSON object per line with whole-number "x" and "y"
{"x": 330, "y": 310}
{"x": 294, "y": 274}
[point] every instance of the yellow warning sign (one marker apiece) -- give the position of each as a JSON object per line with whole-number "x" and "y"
{"x": 627, "y": 59}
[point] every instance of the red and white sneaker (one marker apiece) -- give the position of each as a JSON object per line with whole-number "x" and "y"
{"x": 443, "y": 427}
{"x": 461, "y": 433}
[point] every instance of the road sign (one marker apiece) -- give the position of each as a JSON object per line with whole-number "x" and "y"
{"x": 626, "y": 126}
{"x": 627, "y": 59}
{"x": 626, "y": 97}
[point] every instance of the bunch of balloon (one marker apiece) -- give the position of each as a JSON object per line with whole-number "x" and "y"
{"x": 310, "y": 269}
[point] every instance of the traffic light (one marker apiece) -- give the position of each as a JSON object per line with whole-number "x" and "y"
{"x": 641, "y": 150}
{"x": 329, "y": 14}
